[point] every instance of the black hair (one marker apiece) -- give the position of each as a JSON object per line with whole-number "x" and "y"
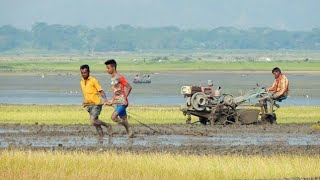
{"x": 112, "y": 62}
{"x": 85, "y": 66}
{"x": 276, "y": 69}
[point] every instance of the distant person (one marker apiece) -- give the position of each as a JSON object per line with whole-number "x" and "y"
{"x": 148, "y": 78}
{"x": 121, "y": 90}
{"x": 280, "y": 86}
{"x": 143, "y": 76}
{"x": 136, "y": 78}
{"x": 91, "y": 100}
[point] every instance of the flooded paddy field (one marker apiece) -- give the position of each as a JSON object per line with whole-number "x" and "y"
{"x": 64, "y": 88}
{"x": 193, "y": 139}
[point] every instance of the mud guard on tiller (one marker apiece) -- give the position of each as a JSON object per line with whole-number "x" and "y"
{"x": 248, "y": 116}
{"x": 270, "y": 118}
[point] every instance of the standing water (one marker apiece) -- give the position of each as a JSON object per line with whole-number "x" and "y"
{"x": 163, "y": 90}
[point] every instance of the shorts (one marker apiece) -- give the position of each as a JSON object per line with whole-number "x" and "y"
{"x": 94, "y": 111}
{"x": 121, "y": 110}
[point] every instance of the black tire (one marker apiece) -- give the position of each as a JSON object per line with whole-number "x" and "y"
{"x": 203, "y": 120}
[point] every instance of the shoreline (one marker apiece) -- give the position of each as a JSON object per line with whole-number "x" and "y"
{"x": 71, "y": 73}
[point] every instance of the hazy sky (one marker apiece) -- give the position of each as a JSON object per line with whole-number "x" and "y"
{"x": 279, "y": 14}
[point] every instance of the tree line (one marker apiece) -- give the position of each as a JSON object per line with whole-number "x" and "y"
{"x": 65, "y": 38}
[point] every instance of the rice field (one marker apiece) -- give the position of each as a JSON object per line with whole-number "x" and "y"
{"x": 23, "y": 164}
{"x": 124, "y": 165}
{"x": 72, "y": 114}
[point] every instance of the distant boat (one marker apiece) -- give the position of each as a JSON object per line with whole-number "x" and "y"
{"x": 142, "y": 81}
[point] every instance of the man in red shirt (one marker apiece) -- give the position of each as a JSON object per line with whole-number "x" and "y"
{"x": 121, "y": 90}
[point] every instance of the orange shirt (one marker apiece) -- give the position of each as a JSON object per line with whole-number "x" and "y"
{"x": 90, "y": 90}
{"x": 280, "y": 86}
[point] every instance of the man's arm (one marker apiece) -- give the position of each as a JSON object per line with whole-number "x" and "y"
{"x": 100, "y": 90}
{"x": 127, "y": 90}
{"x": 83, "y": 95}
{"x": 272, "y": 87}
{"x": 103, "y": 95}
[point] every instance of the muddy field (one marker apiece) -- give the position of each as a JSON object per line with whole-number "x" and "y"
{"x": 190, "y": 139}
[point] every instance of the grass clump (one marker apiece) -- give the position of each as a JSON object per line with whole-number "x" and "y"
{"x": 72, "y": 114}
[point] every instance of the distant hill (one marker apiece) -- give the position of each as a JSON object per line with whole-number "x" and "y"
{"x": 63, "y": 38}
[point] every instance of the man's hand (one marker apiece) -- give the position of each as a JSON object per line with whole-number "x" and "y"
{"x": 125, "y": 102}
{"x": 108, "y": 103}
{"x": 274, "y": 96}
{"x": 266, "y": 89}
{"x": 86, "y": 104}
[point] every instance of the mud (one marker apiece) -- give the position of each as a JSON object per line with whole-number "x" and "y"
{"x": 190, "y": 139}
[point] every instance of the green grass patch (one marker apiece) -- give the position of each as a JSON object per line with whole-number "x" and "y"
{"x": 111, "y": 165}
{"x": 72, "y": 114}
{"x": 170, "y": 65}
{"x": 298, "y": 114}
